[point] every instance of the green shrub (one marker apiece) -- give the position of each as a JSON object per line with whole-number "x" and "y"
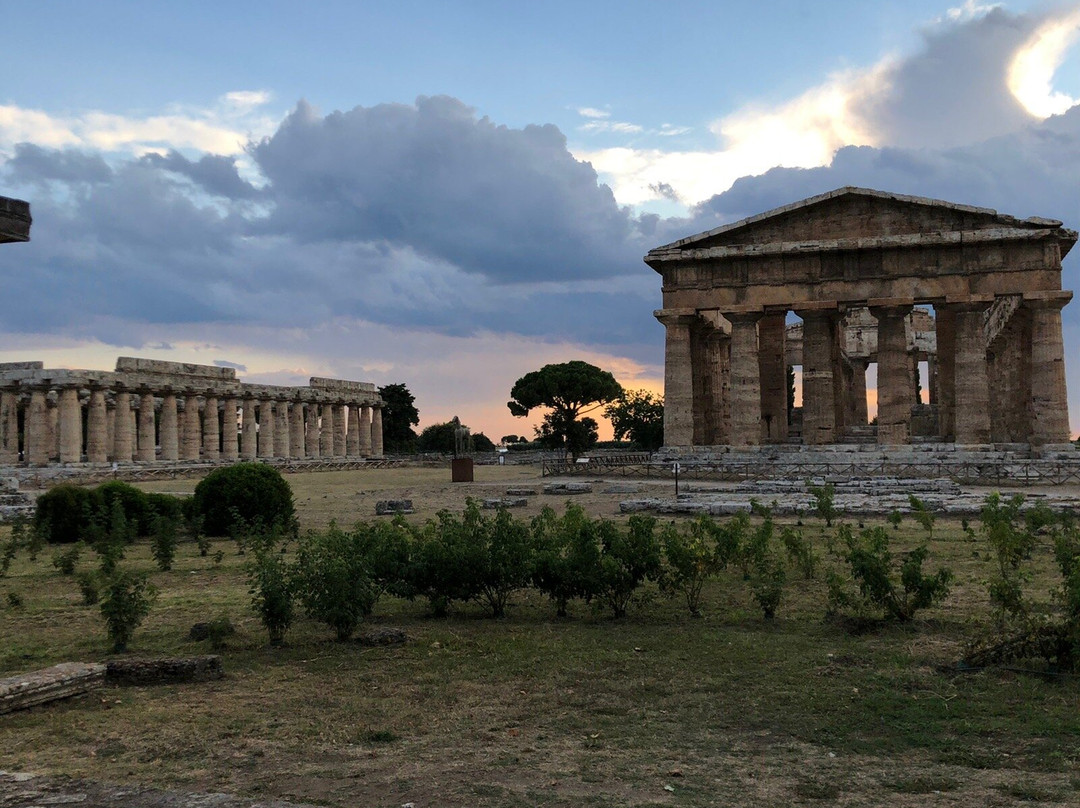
{"x": 333, "y": 580}
{"x": 132, "y": 503}
{"x": 824, "y": 501}
{"x": 255, "y": 492}
{"x": 126, "y": 600}
{"x": 89, "y": 587}
{"x": 627, "y": 559}
{"x": 62, "y": 511}
{"x": 800, "y": 551}
{"x": 271, "y": 589}
{"x": 767, "y": 581}
{"x": 440, "y": 564}
{"x": 897, "y": 590}
{"x": 1011, "y": 543}
{"x": 163, "y": 542}
{"x": 67, "y": 560}
{"x": 565, "y": 553}
{"x": 693, "y": 553}
{"x": 921, "y": 514}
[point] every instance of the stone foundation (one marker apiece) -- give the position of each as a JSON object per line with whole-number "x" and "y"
{"x": 58, "y": 682}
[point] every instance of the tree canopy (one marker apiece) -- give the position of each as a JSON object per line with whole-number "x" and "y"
{"x": 399, "y": 417}
{"x": 441, "y": 438}
{"x": 639, "y": 416}
{"x": 569, "y": 390}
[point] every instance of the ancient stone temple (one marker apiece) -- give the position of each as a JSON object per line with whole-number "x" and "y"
{"x": 149, "y": 411}
{"x": 856, "y": 266}
{"x": 14, "y": 220}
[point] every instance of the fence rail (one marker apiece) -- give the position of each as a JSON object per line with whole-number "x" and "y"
{"x": 1023, "y": 472}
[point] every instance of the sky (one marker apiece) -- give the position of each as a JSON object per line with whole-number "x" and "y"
{"x": 453, "y": 194}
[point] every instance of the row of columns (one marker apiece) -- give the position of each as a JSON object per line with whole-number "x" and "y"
{"x": 731, "y": 388}
{"x": 178, "y": 428}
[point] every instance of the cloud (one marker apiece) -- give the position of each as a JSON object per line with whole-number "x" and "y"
{"x": 1032, "y": 68}
{"x": 225, "y": 363}
{"x": 593, "y": 112}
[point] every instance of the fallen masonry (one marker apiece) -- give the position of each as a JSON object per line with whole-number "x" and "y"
{"x": 388, "y": 507}
{"x": 49, "y": 684}
{"x": 504, "y": 502}
{"x": 521, "y": 492}
{"x": 172, "y": 670}
{"x": 563, "y": 489}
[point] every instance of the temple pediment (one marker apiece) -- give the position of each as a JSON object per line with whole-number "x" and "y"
{"x": 857, "y": 217}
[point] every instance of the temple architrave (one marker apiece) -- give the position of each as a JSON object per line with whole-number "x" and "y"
{"x": 150, "y": 411}
{"x": 861, "y": 269}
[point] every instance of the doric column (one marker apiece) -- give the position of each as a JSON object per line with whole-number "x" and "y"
{"x": 945, "y": 329}
{"x": 313, "y": 439}
{"x": 365, "y": 430}
{"x": 773, "y": 373}
{"x": 281, "y": 429}
{"x": 678, "y": 376}
{"x": 932, "y": 379}
{"x": 296, "y": 438}
{"x": 229, "y": 441}
{"x": 169, "y": 428}
{"x": 857, "y": 392}
{"x": 192, "y": 441}
{"x": 249, "y": 431}
{"x": 818, "y": 386}
{"x": 147, "y": 443}
{"x": 745, "y": 379}
{"x": 211, "y": 432}
{"x": 972, "y": 402}
{"x": 97, "y": 428}
{"x": 352, "y": 439}
{"x": 71, "y": 431}
{"x": 718, "y": 371}
{"x": 376, "y": 432}
{"x": 266, "y": 428}
{"x": 894, "y": 382}
{"x": 38, "y": 448}
{"x": 326, "y": 435}
{"x": 340, "y": 423}
{"x": 1049, "y": 402}
{"x": 9, "y": 427}
{"x": 123, "y": 446}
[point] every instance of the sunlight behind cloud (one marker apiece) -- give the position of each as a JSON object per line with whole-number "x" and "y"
{"x": 1031, "y": 72}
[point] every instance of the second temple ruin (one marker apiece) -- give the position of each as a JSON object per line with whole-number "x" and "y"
{"x": 855, "y": 265}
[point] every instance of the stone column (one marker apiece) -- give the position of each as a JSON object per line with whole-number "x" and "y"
{"x": 326, "y": 435}
{"x": 281, "y": 429}
{"x": 717, "y": 352}
{"x": 249, "y": 430}
{"x": 211, "y": 432}
{"x": 169, "y": 428}
{"x": 1049, "y": 402}
{"x": 9, "y": 427}
{"x": 773, "y": 373}
{"x": 147, "y": 449}
{"x": 745, "y": 379}
{"x": 71, "y": 432}
{"x": 857, "y": 392}
{"x": 932, "y": 380}
{"x": 266, "y": 428}
{"x": 313, "y": 439}
{"x": 972, "y": 393}
{"x": 38, "y": 449}
{"x": 123, "y": 445}
{"x": 678, "y": 376}
{"x": 365, "y": 430}
{"x": 193, "y": 438}
{"x": 296, "y": 438}
{"x": 376, "y": 432}
{"x": 229, "y": 441}
{"x": 352, "y": 439}
{"x": 894, "y": 387}
{"x": 945, "y": 329}
{"x": 97, "y": 428}
{"x": 819, "y": 406}
{"x": 340, "y": 423}
{"x": 53, "y": 421}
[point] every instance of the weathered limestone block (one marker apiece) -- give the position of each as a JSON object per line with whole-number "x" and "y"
{"x": 819, "y": 405}
{"x": 58, "y": 682}
{"x": 560, "y": 489}
{"x": 972, "y": 402}
{"x": 504, "y": 502}
{"x": 773, "y": 373}
{"x": 386, "y": 507}
{"x": 165, "y": 671}
{"x": 521, "y": 492}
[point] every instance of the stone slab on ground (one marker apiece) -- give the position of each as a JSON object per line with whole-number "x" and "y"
{"x": 49, "y": 684}
{"x": 170, "y": 670}
{"x": 23, "y": 789}
{"x": 563, "y": 489}
{"x": 386, "y": 507}
{"x": 521, "y": 492}
{"x": 504, "y": 502}
{"x": 382, "y": 636}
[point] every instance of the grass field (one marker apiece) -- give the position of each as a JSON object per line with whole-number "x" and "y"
{"x": 655, "y": 709}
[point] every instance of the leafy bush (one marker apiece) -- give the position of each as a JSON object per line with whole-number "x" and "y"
{"x": 824, "y": 501}
{"x": 500, "y": 554}
{"x": 67, "y": 560}
{"x": 271, "y": 589}
{"x": 566, "y": 554}
{"x": 68, "y": 513}
{"x": 921, "y": 514}
{"x": 163, "y": 542}
{"x": 125, "y": 602}
{"x": 255, "y": 492}
{"x": 1011, "y": 543}
{"x": 897, "y": 590}
{"x": 800, "y": 551}
{"x": 133, "y": 503}
{"x": 627, "y": 559}
{"x": 89, "y": 587}
{"x": 62, "y": 511}
{"x": 694, "y": 552}
{"x": 332, "y": 578}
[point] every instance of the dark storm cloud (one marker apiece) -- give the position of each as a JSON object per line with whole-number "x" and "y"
{"x": 215, "y": 174}
{"x": 32, "y": 164}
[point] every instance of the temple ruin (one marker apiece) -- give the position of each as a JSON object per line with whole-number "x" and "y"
{"x": 856, "y": 266}
{"x": 150, "y": 411}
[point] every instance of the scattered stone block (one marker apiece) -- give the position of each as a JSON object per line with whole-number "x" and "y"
{"x": 564, "y": 489}
{"x": 169, "y": 670}
{"x": 521, "y": 492}
{"x": 504, "y": 502}
{"x": 58, "y": 682}
{"x": 385, "y": 507}
{"x": 622, "y": 488}
{"x": 382, "y": 636}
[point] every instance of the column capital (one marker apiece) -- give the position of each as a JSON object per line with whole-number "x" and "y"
{"x": 1047, "y": 300}
{"x": 676, "y": 317}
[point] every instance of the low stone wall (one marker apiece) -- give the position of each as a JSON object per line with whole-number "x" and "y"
{"x": 167, "y": 671}
{"x": 58, "y": 682}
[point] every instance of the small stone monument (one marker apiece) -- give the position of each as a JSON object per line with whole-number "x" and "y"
{"x": 461, "y": 467}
